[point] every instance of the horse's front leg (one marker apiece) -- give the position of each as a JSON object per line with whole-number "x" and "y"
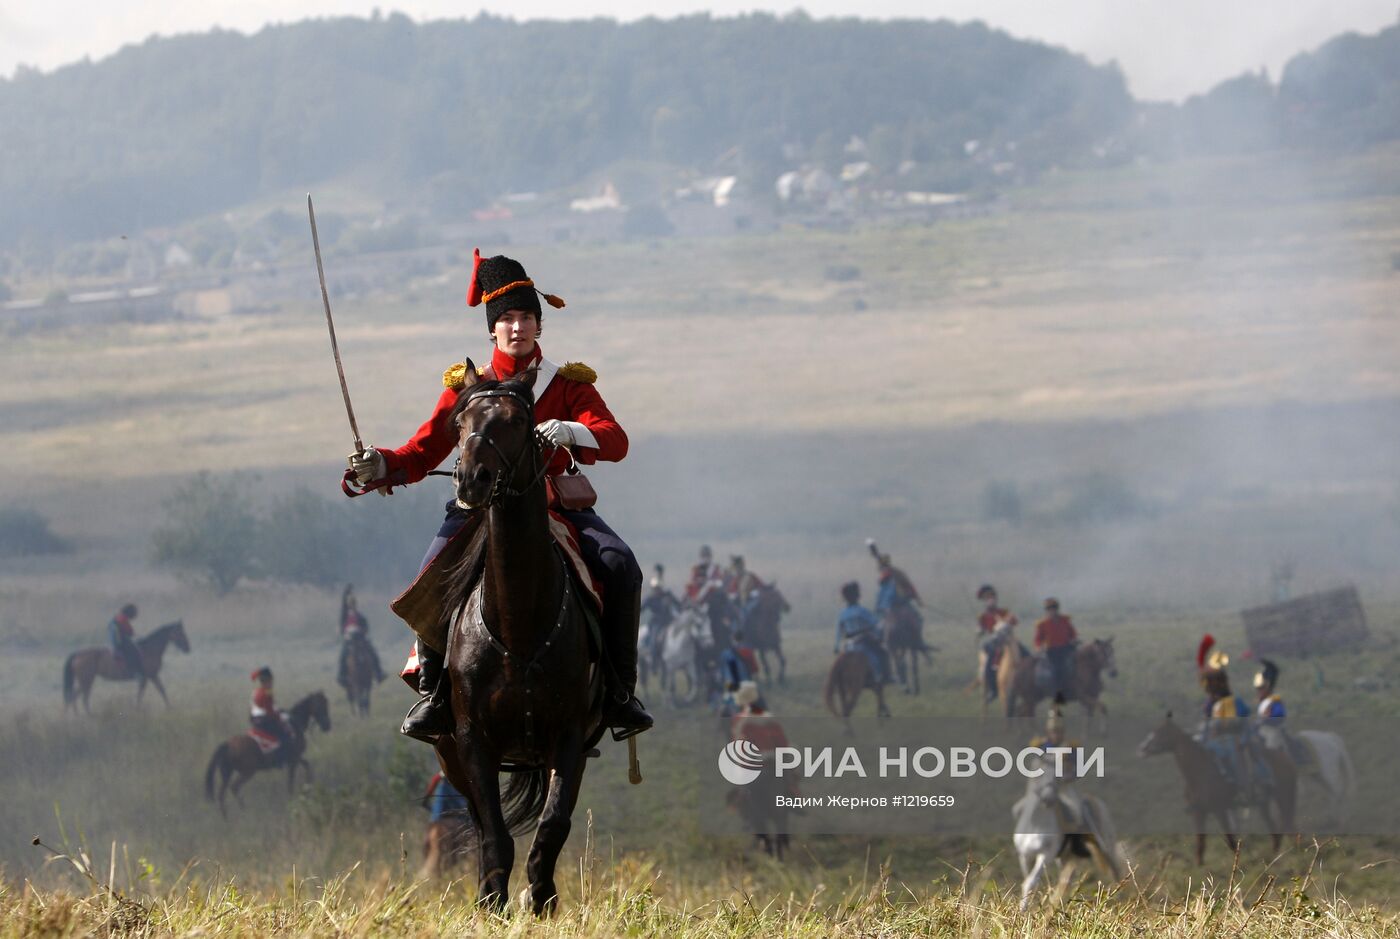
{"x": 565, "y": 780}
{"x": 495, "y": 849}
{"x": 140, "y": 688}
{"x": 161, "y": 688}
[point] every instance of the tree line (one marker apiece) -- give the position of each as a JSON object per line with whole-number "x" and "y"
{"x": 452, "y": 113}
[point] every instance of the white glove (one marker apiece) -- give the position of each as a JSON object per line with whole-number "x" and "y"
{"x": 558, "y": 433}
{"x": 368, "y": 465}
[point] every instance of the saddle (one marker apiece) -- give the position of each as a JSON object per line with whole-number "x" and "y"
{"x": 1045, "y": 677}
{"x": 266, "y": 742}
{"x": 428, "y": 609}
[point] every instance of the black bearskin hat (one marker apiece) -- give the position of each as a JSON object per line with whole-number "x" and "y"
{"x": 502, "y": 284}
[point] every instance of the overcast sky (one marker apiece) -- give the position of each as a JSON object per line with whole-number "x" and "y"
{"x": 1169, "y": 49}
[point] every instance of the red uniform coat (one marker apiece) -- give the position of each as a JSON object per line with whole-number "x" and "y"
{"x": 759, "y": 728}
{"x": 556, "y": 397}
{"x": 262, "y": 703}
{"x": 1054, "y": 632}
{"x": 987, "y": 622}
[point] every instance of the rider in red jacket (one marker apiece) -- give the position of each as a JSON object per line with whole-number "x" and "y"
{"x": 571, "y": 415}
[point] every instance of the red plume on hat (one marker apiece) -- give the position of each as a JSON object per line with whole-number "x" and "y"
{"x": 474, "y": 286}
{"x": 1203, "y": 650}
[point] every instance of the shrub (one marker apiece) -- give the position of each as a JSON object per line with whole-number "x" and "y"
{"x": 210, "y": 533}
{"x": 25, "y": 531}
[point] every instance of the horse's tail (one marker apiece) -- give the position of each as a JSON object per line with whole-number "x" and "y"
{"x": 69, "y": 694}
{"x": 829, "y": 693}
{"x": 522, "y": 799}
{"x": 217, "y": 761}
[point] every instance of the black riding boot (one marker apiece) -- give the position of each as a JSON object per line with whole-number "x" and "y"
{"x": 431, "y": 717}
{"x": 621, "y": 709}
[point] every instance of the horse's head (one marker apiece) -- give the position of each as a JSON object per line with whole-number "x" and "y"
{"x": 177, "y": 636}
{"x": 1162, "y": 740}
{"x": 318, "y": 709}
{"x": 497, "y": 450}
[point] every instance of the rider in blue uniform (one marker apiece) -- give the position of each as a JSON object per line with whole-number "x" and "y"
{"x": 859, "y": 629}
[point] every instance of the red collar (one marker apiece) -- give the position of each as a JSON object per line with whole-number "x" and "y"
{"x": 507, "y": 365}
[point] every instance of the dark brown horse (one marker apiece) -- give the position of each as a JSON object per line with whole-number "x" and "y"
{"x": 1092, "y": 660}
{"x": 359, "y": 675}
{"x": 526, "y": 690}
{"x": 904, "y": 638}
{"x": 850, "y": 675}
{"x": 1209, "y": 793}
{"x": 241, "y": 758}
{"x": 86, "y": 665}
{"x": 761, "y": 629}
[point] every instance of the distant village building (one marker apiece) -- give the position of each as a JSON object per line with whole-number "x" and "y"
{"x": 606, "y": 201}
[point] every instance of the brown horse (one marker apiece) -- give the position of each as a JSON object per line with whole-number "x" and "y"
{"x": 761, "y": 629}
{"x": 1209, "y": 793}
{"x": 86, "y": 665}
{"x": 904, "y": 638}
{"x": 850, "y": 675}
{"x": 526, "y": 692}
{"x": 241, "y": 755}
{"x": 1092, "y": 660}
{"x": 359, "y": 675}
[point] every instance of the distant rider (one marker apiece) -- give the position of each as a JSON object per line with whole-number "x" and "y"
{"x": 122, "y": 634}
{"x": 262, "y": 710}
{"x": 859, "y": 630}
{"x": 994, "y": 631}
{"x": 1055, "y": 636}
{"x": 354, "y": 628}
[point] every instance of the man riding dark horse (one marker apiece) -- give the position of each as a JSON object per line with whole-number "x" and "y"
{"x": 122, "y": 635}
{"x": 354, "y": 632}
{"x": 1056, "y": 639}
{"x": 571, "y": 417}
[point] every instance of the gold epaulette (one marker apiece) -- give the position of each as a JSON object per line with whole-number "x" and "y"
{"x": 456, "y": 376}
{"x": 577, "y": 371}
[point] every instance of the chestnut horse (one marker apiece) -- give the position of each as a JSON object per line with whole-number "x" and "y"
{"x": 1209, "y": 793}
{"x": 850, "y": 675}
{"x": 241, "y": 755}
{"x": 1092, "y": 660}
{"x": 86, "y": 665}
{"x": 526, "y": 690}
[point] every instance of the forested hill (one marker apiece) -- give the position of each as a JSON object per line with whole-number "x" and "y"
{"x": 457, "y": 112}
{"x": 180, "y": 126}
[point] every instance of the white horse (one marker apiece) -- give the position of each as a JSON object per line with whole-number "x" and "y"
{"x": 1330, "y": 765}
{"x": 681, "y": 654}
{"x": 1044, "y": 823}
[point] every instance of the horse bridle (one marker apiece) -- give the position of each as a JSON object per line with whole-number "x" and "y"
{"x": 500, "y": 486}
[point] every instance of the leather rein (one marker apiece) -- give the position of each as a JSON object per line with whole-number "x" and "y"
{"x": 500, "y": 485}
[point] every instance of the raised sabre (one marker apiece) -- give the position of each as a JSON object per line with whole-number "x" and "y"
{"x": 330, "y": 325}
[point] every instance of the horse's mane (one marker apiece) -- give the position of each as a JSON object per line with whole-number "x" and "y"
{"x": 160, "y": 631}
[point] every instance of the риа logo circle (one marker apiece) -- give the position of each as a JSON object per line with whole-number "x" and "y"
{"x": 741, "y": 762}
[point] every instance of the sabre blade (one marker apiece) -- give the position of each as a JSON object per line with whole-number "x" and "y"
{"x": 330, "y": 325}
